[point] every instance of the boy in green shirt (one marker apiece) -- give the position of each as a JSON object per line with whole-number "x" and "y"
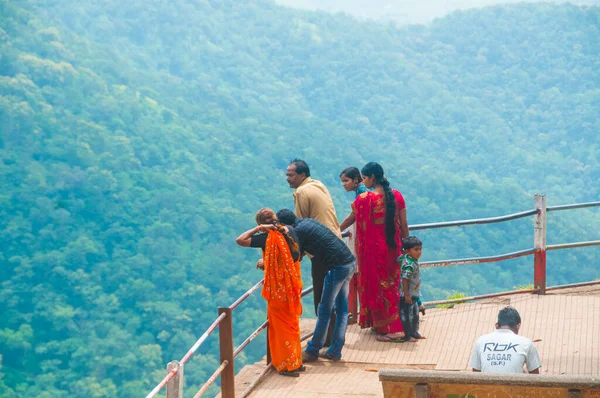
{"x": 410, "y": 272}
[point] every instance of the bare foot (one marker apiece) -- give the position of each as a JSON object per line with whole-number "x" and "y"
{"x": 412, "y": 340}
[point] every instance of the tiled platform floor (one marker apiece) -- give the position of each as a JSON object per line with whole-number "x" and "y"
{"x": 564, "y": 324}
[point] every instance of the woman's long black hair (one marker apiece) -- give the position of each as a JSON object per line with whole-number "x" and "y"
{"x": 375, "y": 170}
{"x": 292, "y": 244}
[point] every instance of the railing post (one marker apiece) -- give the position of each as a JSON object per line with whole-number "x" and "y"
{"x": 226, "y": 353}
{"x": 175, "y": 385}
{"x": 268, "y": 348}
{"x": 539, "y": 242}
{"x": 353, "y": 300}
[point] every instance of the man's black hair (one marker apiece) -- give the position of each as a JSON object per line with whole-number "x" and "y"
{"x": 411, "y": 241}
{"x": 286, "y": 217}
{"x": 508, "y": 316}
{"x": 301, "y": 167}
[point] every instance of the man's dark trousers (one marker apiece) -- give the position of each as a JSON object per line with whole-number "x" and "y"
{"x": 319, "y": 271}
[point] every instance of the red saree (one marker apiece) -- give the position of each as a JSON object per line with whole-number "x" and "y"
{"x": 283, "y": 291}
{"x": 378, "y": 271}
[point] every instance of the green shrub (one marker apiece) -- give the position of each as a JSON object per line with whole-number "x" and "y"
{"x": 454, "y": 295}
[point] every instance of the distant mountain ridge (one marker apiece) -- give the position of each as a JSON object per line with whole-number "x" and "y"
{"x": 408, "y": 12}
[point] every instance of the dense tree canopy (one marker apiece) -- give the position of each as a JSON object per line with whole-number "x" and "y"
{"x": 138, "y": 138}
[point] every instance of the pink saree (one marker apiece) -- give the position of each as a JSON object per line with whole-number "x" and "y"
{"x": 378, "y": 271}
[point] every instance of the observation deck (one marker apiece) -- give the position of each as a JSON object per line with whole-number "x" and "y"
{"x": 564, "y": 323}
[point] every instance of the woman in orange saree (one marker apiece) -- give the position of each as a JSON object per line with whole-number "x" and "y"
{"x": 380, "y": 217}
{"x": 282, "y": 290}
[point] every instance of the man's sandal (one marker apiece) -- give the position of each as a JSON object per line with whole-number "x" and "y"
{"x": 289, "y": 373}
{"x": 330, "y": 357}
{"x": 306, "y": 357}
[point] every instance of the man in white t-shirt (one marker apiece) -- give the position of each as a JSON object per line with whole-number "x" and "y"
{"x": 504, "y": 351}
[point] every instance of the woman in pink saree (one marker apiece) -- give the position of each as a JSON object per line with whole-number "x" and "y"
{"x": 381, "y": 223}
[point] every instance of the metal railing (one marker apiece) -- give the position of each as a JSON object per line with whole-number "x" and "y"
{"x": 476, "y": 221}
{"x": 226, "y": 369}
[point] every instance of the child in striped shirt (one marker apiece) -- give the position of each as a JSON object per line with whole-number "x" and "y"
{"x": 410, "y": 273}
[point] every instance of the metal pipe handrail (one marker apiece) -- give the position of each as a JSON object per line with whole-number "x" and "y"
{"x": 259, "y": 331}
{"x": 307, "y": 291}
{"x": 473, "y": 260}
{"x": 473, "y": 298}
{"x": 262, "y": 327}
{"x": 433, "y": 303}
{"x": 572, "y": 285}
{"x": 306, "y": 336}
{"x": 572, "y": 206}
{"x": 507, "y": 293}
{"x": 250, "y": 338}
{"x": 254, "y": 288}
{"x": 476, "y": 260}
{"x": 491, "y": 220}
{"x": 475, "y": 221}
{"x": 450, "y": 301}
{"x": 257, "y": 380}
{"x": 573, "y": 245}
{"x": 202, "y": 338}
{"x": 212, "y": 379}
{"x": 187, "y": 356}
{"x": 163, "y": 383}
{"x": 246, "y": 295}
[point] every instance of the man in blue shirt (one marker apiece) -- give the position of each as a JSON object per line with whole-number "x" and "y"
{"x": 332, "y": 252}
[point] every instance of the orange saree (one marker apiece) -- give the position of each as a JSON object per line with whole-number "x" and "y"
{"x": 283, "y": 291}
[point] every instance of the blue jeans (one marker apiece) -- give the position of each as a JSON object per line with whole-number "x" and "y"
{"x": 335, "y": 294}
{"x": 409, "y": 313}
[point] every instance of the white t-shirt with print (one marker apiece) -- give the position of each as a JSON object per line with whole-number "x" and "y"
{"x": 503, "y": 351}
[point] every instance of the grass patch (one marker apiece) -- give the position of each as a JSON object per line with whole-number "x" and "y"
{"x": 523, "y": 287}
{"x": 454, "y": 295}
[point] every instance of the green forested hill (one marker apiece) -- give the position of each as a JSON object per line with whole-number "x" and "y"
{"x": 138, "y": 138}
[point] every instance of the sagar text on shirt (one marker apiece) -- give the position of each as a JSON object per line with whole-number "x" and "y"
{"x": 499, "y": 357}
{"x": 503, "y": 351}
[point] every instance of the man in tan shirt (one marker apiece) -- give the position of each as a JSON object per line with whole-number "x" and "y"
{"x": 312, "y": 200}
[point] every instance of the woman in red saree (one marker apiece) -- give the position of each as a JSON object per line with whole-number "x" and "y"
{"x": 282, "y": 289}
{"x": 380, "y": 217}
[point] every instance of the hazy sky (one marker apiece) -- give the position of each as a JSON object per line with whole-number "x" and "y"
{"x": 406, "y": 11}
